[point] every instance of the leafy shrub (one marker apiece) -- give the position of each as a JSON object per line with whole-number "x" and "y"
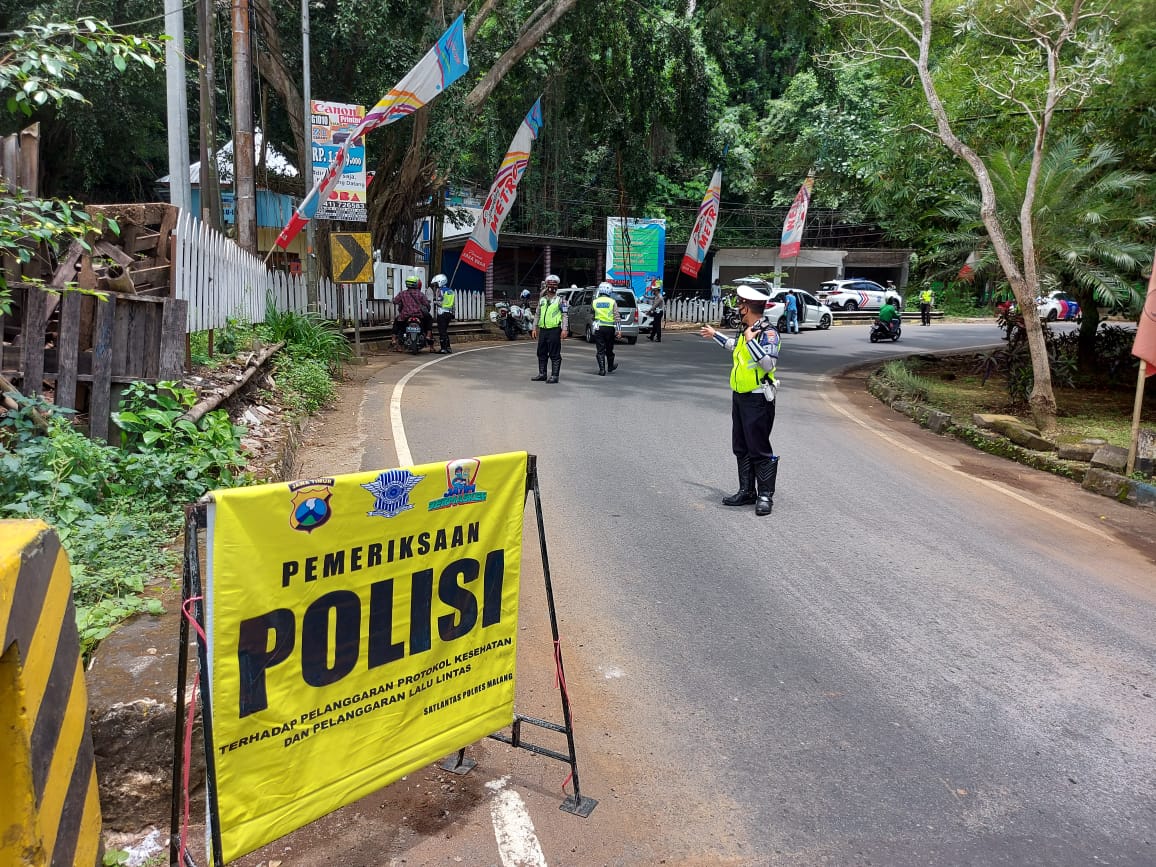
{"x": 116, "y": 510}
{"x": 305, "y": 334}
{"x": 306, "y": 383}
{"x": 907, "y": 383}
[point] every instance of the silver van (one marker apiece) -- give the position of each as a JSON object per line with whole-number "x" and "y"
{"x": 582, "y": 313}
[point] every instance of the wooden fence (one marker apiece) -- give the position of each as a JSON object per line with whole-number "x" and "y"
{"x": 83, "y": 359}
{"x": 221, "y": 281}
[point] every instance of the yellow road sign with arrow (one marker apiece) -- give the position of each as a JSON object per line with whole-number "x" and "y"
{"x": 352, "y": 256}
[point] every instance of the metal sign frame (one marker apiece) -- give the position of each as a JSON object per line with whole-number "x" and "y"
{"x": 192, "y": 599}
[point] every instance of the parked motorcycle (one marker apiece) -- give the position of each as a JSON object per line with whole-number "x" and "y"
{"x": 412, "y": 339}
{"x": 731, "y": 318}
{"x": 882, "y": 331}
{"x": 512, "y": 319}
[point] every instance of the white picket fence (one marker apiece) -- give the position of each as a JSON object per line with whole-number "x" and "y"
{"x": 222, "y": 282}
{"x": 693, "y": 310}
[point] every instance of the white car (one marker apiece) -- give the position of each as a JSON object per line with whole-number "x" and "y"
{"x": 1058, "y": 306}
{"x": 812, "y": 313}
{"x": 856, "y": 294}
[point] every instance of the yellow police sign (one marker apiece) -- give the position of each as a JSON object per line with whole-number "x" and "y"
{"x": 352, "y": 255}
{"x": 358, "y": 628}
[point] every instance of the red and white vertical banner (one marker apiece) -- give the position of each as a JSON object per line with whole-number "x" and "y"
{"x": 796, "y": 217}
{"x": 1144, "y": 345}
{"x": 483, "y": 243}
{"x": 704, "y": 225}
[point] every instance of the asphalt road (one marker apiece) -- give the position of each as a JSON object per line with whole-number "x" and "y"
{"x": 919, "y": 658}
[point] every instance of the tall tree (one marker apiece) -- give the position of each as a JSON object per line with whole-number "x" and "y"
{"x": 1033, "y": 57}
{"x": 1087, "y": 227}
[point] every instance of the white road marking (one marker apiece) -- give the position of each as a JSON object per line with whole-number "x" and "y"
{"x": 514, "y": 829}
{"x": 517, "y": 844}
{"x": 400, "y": 443}
{"x": 995, "y": 486}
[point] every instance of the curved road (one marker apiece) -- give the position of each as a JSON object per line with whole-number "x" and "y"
{"x": 922, "y": 657}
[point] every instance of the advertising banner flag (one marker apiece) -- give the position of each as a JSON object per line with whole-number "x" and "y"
{"x": 480, "y": 248}
{"x": 793, "y": 227}
{"x": 442, "y": 65}
{"x": 635, "y": 252}
{"x": 358, "y": 628}
{"x": 332, "y": 123}
{"x": 1144, "y": 345}
{"x": 703, "y": 232}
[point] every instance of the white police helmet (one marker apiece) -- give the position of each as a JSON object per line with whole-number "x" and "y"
{"x": 750, "y": 293}
{"x": 552, "y": 280}
{"x": 605, "y": 288}
{"x": 439, "y": 280}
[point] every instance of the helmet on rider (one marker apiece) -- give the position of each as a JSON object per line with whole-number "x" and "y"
{"x": 605, "y": 288}
{"x": 439, "y": 281}
{"x": 525, "y": 293}
{"x": 413, "y": 282}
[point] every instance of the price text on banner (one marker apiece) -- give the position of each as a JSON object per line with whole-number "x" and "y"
{"x": 359, "y": 627}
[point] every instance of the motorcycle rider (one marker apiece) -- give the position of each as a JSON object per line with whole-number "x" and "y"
{"x": 410, "y": 303}
{"x": 888, "y": 316}
{"x": 608, "y": 327}
{"x": 551, "y": 326}
{"x": 444, "y": 298}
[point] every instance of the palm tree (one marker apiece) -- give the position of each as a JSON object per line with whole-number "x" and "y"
{"x": 1087, "y": 229}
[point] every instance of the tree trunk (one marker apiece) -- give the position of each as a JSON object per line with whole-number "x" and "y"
{"x": 271, "y": 64}
{"x": 1089, "y": 325}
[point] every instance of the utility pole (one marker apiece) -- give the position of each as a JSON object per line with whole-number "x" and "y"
{"x": 244, "y": 185}
{"x": 210, "y": 183}
{"x": 312, "y": 297}
{"x": 178, "y": 109}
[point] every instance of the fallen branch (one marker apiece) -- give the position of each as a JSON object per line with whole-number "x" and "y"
{"x": 36, "y": 415}
{"x": 203, "y": 407}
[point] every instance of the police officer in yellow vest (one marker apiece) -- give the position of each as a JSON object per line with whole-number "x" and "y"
{"x": 444, "y": 299}
{"x": 755, "y": 355}
{"x": 550, "y": 327}
{"x": 607, "y": 328}
{"x": 926, "y": 299}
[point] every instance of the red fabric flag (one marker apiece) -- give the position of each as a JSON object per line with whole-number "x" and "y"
{"x": 1144, "y": 346}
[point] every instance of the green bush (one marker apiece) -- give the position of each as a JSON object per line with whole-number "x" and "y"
{"x": 305, "y": 382}
{"x": 305, "y": 334}
{"x": 116, "y": 510}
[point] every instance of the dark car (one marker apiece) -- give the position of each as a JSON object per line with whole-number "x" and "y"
{"x": 582, "y": 313}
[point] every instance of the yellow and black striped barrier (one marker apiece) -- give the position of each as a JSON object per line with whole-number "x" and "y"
{"x": 49, "y": 810}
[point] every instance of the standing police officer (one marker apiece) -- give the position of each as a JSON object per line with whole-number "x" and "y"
{"x": 926, "y": 298}
{"x": 607, "y": 327}
{"x": 755, "y": 354}
{"x": 551, "y": 325}
{"x": 444, "y": 299}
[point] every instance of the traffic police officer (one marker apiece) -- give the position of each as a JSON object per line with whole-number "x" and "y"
{"x": 755, "y": 354}
{"x": 607, "y": 328}
{"x": 444, "y": 298}
{"x": 926, "y": 298}
{"x": 550, "y": 327}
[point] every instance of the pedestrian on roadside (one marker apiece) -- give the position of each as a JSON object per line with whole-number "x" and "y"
{"x": 607, "y": 328}
{"x": 926, "y": 299}
{"x": 792, "y": 303}
{"x": 715, "y": 291}
{"x": 754, "y": 357}
{"x": 657, "y": 312}
{"x": 551, "y": 326}
{"x": 444, "y": 300}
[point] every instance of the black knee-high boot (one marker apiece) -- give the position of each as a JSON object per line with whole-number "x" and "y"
{"x": 766, "y": 471}
{"x": 555, "y": 366}
{"x": 746, "y": 492}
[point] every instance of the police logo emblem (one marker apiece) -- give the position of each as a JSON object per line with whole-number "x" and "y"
{"x": 310, "y": 503}
{"x": 461, "y": 485}
{"x": 391, "y": 493}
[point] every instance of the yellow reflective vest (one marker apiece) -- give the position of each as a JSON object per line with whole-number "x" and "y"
{"x": 447, "y": 299}
{"x": 746, "y": 375}
{"x": 604, "y": 310}
{"x": 550, "y": 313}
